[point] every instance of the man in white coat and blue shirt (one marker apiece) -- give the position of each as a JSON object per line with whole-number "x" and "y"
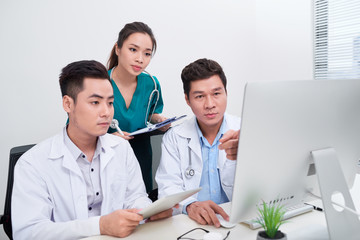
{"x": 193, "y": 152}
{"x": 83, "y": 181}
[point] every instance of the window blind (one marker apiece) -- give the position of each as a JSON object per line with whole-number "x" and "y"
{"x": 337, "y": 39}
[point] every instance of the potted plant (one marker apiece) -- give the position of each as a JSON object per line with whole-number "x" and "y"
{"x": 271, "y": 217}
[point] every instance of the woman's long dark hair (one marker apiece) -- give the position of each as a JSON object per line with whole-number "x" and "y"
{"x": 130, "y": 28}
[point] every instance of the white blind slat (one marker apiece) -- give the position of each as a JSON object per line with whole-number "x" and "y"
{"x": 336, "y": 39}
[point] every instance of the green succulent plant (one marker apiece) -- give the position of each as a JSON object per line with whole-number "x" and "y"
{"x": 271, "y": 217}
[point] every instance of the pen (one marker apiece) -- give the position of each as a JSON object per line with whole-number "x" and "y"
{"x": 315, "y": 207}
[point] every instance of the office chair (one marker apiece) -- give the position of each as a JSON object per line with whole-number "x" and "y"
{"x": 15, "y": 154}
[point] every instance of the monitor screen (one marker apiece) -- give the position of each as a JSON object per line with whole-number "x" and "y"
{"x": 282, "y": 122}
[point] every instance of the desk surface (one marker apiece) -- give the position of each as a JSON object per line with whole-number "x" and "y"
{"x": 177, "y": 225}
{"x": 306, "y": 226}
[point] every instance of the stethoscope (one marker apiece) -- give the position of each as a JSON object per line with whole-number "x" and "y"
{"x": 189, "y": 172}
{"x": 153, "y": 92}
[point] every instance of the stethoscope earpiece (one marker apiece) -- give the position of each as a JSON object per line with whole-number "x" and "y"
{"x": 114, "y": 123}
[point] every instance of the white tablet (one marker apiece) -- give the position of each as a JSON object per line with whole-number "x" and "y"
{"x": 167, "y": 202}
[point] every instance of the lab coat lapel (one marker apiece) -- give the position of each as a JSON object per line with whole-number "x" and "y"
{"x": 78, "y": 186}
{"x": 105, "y": 157}
{"x": 78, "y": 189}
{"x": 70, "y": 163}
{"x": 194, "y": 145}
{"x": 59, "y": 150}
{"x": 188, "y": 130}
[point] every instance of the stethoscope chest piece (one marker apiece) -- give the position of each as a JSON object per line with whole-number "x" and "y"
{"x": 189, "y": 172}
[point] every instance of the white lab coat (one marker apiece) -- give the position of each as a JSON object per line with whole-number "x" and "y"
{"x": 176, "y": 144}
{"x": 49, "y": 199}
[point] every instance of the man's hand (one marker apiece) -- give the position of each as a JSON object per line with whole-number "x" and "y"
{"x": 204, "y": 213}
{"x": 163, "y": 214}
{"x": 120, "y": 223}
{"x": 229, "y": 142}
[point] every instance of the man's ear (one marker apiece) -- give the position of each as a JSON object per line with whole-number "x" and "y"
{"x": 68, "y": 103}
{"x": 187, "y": 99}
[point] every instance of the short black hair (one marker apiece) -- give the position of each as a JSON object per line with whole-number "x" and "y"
{"x": 201, "y": 69}
{"x": 72, "y": 76}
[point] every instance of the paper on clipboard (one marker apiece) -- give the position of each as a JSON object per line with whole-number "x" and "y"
{"x": 157, "y": 126}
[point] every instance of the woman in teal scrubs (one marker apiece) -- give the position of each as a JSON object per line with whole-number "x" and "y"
{"x": 137, "y": 100}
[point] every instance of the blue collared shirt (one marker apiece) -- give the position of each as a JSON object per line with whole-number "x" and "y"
{"x": 210, "y": 177}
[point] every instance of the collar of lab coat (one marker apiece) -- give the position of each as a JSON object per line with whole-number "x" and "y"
{"x": 59, "y": 150}
{"x": 188, "y": 130}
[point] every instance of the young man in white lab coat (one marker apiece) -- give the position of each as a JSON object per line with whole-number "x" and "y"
{"x": 193, "y": 152}
{"x": 81, "y": 182}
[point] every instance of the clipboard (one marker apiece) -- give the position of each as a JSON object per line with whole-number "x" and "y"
{"x": 156, "y": 126}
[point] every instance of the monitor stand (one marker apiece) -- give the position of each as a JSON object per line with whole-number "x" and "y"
{"x": 340, "y": 224}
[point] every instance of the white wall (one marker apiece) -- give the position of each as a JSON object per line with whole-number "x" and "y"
{"x": 253, "y": 40}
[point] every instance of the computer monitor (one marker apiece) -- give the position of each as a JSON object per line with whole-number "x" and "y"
{"x": 282, "y": 122}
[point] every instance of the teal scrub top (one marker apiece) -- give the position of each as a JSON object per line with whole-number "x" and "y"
{"x": 133, "y": 118}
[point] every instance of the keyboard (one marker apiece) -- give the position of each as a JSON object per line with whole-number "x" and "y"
{"x": 290, "y": 212}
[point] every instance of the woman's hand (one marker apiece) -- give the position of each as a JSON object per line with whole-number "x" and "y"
{"x": 125, "y": 136}
{"x": 157, "y": 118}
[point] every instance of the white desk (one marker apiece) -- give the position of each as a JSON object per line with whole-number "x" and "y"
{"x": 177, "y": 225}
{"x": 307, "y": 226}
